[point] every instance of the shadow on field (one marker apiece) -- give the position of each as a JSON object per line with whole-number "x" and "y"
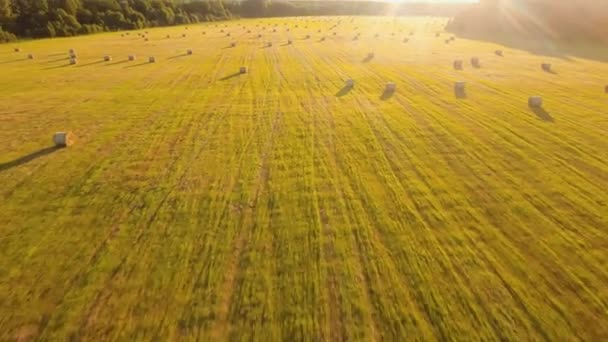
{"x": 345, "y": 90}
{"x": 56, "y": 54}
{"x": 551, "y": 71}
{"x": 28, "y": 158}
{"x": 225, "y": 78}
{"x": 14, "y": 60}
{"x": 57, "y": 66}
{"x": 387, "y": 94}
{"x": 368, "y": 59}
{"x": 542, "y": 114}
{"x": 178, "y": 56}
{"x": 119, "y": 62}
{"x": 56, "y": 60}
{"x": 92, "y": 63}
{"x": 137, "y": 65}
{"x": 460, "y": 94}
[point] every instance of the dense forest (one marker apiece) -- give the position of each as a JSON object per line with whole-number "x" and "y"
{"x": 560, "y": 20}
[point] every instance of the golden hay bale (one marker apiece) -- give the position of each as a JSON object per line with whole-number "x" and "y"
{"x": 107, "y": 58}
{"x": 535, "y": 101}
{"x": 63, "y": 139}
{"x": 132, "y": 57}
{"x": 152, "y": 59}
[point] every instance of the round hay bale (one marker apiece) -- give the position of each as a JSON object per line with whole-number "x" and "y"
{"x": 606, "y": 89}
{"x": 307, "y": 36}
{"x": 152, "y": 59}
{"x": 391, "y": 87}
{"x": 73, "y": 61}
{"x": 189, "y": 52}
{"x": 232, "y": 44}
{"x": 269, "y": 44}
{"x": 349, "y": 83}
{"x": 243, "y": 70}
{"x": 132, "y": 57}
{"x": 475, "y": 62}
{"x": 71, "y": 51}
{"x": 146, "y": 39}
{"x": 437, "y": 34}
{"x": 183, "y": 35}
{"x": 107, "y": 58}
{"x": 168, "y": 36}
{"x": 63, "y": 139}
{"x": 458, "y": 64}
{"x": 228, "y": 34}
{"x": 405, "y": 40}
{"x": 30, "y": 56}
{"x": 499, "y": 53}
{"x": 546, "y": 67}
{"x": 535, "y": 101}
{"x": 289, "y": 42}
{"x": 460, "y": 86}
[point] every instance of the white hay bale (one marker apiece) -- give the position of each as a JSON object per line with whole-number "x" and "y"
{"x": 132, "y": 57}
{"x": 189, "y": 52}
{"x": 546, "y": 66}
{"x": 63, "y": 139}
{"x": 243, "y": 70}
{"x": 107, "y": 58}
{"x": 391, "y": 87}
{"x": 535, "y": 101}
{"x": 73, "y": 61}
{"x": 458, "y": 64}
{"x": 152, "y": 59}
{"x": 349, "y": 83}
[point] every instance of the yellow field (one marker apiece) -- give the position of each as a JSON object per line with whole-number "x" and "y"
{"x": 198, "y": 203}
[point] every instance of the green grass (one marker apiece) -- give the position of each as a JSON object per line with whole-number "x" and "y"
{"x": 200, "y": 204}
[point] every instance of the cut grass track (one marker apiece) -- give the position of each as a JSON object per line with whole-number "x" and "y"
{"x": 198, "y": 203}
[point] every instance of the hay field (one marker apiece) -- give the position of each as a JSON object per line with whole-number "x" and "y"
{"x": 201, "y": 204}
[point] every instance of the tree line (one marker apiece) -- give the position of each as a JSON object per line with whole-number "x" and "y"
{"x": 64, "y": 18}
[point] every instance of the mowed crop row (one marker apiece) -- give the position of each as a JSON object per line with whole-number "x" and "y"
{"x": 200, "y": 203}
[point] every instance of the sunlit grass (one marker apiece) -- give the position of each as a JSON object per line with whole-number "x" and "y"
{"x": 199, "y": 203}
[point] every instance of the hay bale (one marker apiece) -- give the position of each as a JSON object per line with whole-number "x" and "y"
{"x": 30, "y": 56}
{"x": 447, "y": 41}
{"x": 460, "y": 86}
{"x": 546, "y": 67}
{"x": 405, "y": 40}
{"x": 146, "y": 39}
{"x": 269, "y": 44}
{"x": 183, "y": 35}
{"x": 107, "y": 58}
{"x": 188, "y": 52}
{"x": 289, "y": 42}
{"x": 349, "y": 83}
{"x": 458, "y": 64}
{"x": 243, "y": 70}
{"x": 204, "y": 33}
{"x": 307, "y": 36}
{"x": 322, "y": 39}
{"x": 233, "y": 44}
{"x": 228, "y": 34}
{"x": 132, "y": 57}
{"x": 63, "y": 139}
{"x": 498, "y": 53}
{"x": 259, "y": 36}
{"x": 535, "y": 101}
{"x": 391, "y": 87}
{"x": 475, "y": 62}
{"x": 606, "y": 89}
{"x": 73, "y": 61}
{"x": 437, "y": 34}
{"x": 152, "y": 59}
{"x": 71, "y": 51}
{"x": 168, "y": 36}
